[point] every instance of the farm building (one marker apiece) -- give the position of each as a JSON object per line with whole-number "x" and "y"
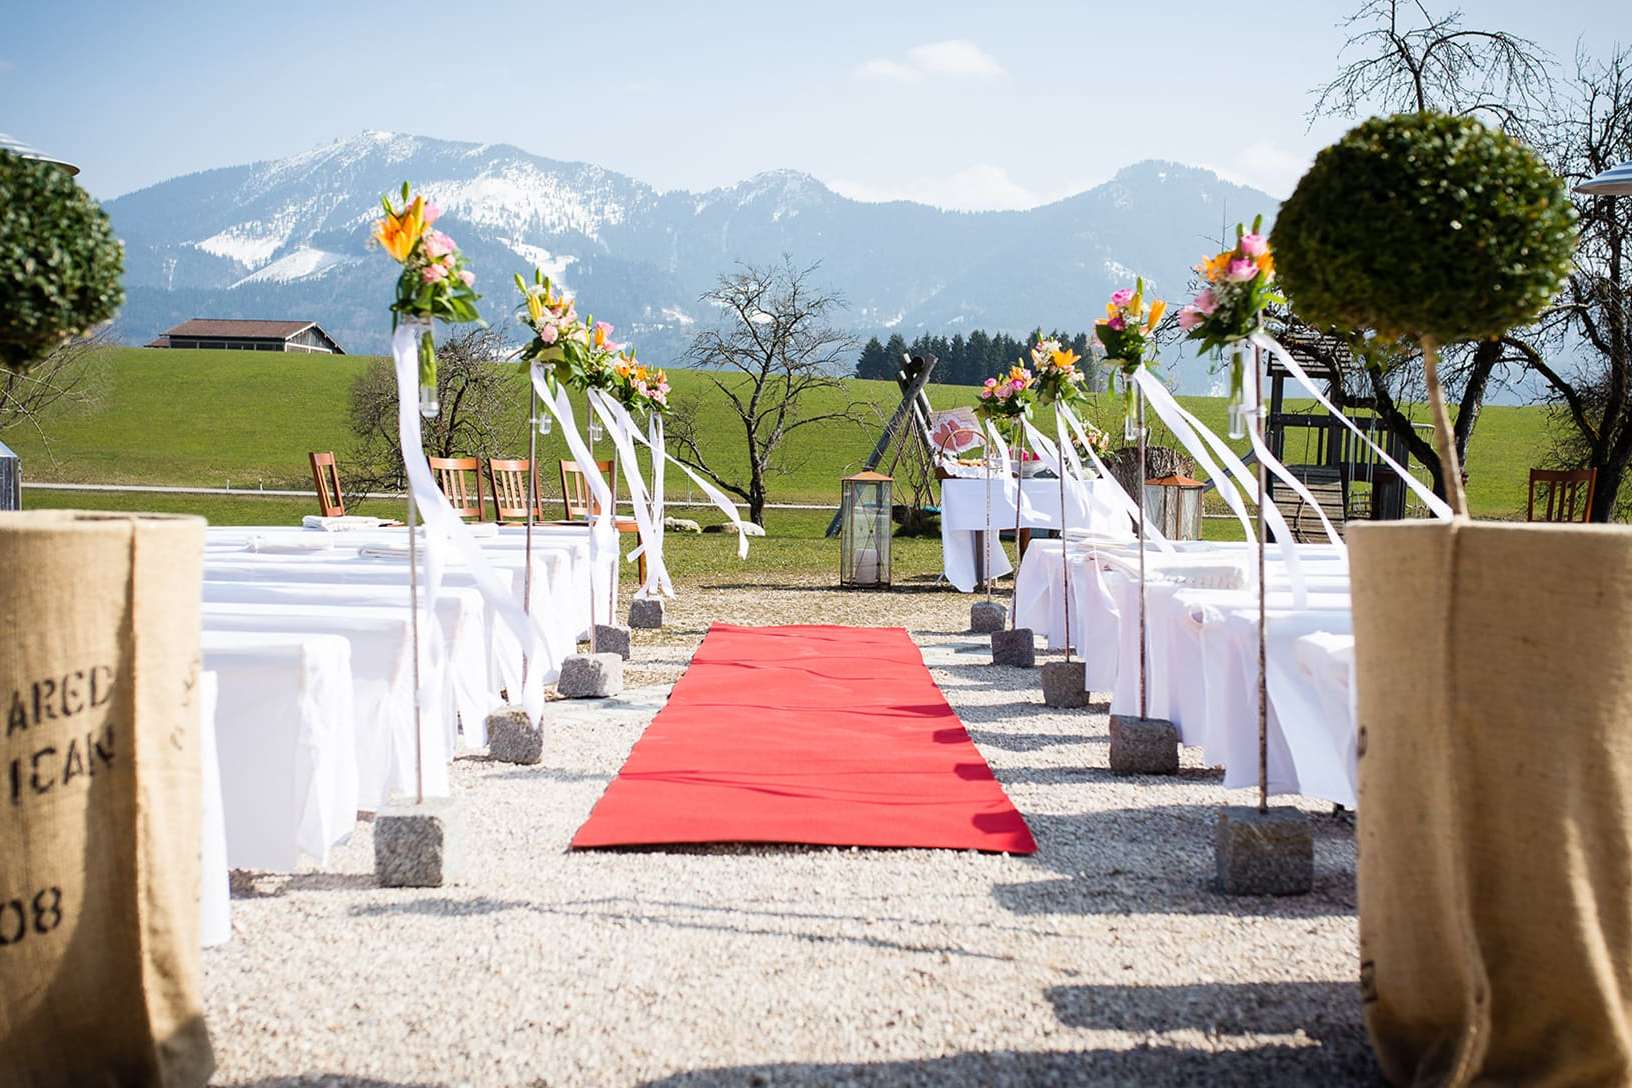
{"x": 208, "y": 332}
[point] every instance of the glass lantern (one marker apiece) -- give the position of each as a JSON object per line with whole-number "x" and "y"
{"x": 1173, "y": 506}
{"x": 864, "y": 540}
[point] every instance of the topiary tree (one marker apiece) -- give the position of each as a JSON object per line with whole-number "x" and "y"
{"x": 60, "y": 264}
{"x": 1429, "y": 228}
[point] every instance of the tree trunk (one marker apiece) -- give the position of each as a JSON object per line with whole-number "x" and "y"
{"x": 756, "y": 495}
{"x": 1399, "y": 425}
{"x": 1605, "y": 488}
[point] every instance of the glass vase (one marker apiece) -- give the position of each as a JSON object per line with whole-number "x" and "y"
{"x": 1130, "y": 408}
{"x": 429, "y": 406}
{"x": 1238, "y": 397}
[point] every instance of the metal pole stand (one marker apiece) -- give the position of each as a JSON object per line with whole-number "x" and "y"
{"x": 597, "y": 674}
{"x": 1065, "y": 683}
{"x": 512, "y": 736}
{"x": 1016, "y": 647}
{"x": 1263, "y": 851}
{"x": 1141, "y": 744}
{"x": 988, "y": 616}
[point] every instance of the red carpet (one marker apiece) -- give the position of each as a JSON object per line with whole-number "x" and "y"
{"x": 830, "y": 735}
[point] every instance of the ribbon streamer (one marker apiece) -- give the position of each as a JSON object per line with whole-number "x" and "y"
{"x": 443, "y": 527}
{"x": 602, "y": 535}
{"x": 745, "y": 529}
{"x": 621, "y": 426}
{"x": 1435, "y": 504}
{"x": 1123, "y": 499}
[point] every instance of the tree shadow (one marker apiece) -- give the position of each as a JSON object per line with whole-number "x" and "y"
{"x": 324, "y": 1080}
{"x": 254, "y": 884}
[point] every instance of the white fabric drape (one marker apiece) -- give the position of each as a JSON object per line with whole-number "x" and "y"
{"x": 624, "y": 433}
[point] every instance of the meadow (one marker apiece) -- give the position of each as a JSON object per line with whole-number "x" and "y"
{"x": 246, "y": 420}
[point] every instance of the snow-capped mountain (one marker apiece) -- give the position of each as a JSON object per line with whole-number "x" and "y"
{"x": 289, "y": 238}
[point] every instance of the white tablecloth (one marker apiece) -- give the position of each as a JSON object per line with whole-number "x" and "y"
{"x": 214, "y": 890}
{"x": 964, "y": 520}
{"x": 287, "y": 745}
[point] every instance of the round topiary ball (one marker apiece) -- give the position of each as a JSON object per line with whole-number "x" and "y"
{"x": 60, "y": 264}
{"x": 1425, "y": 226}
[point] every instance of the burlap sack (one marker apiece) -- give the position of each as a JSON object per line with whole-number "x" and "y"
{"x": 99, "y": 848}
{"x": 1494, "y": 691}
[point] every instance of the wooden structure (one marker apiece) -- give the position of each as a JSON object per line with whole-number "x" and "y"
{"x": 579, "y": 501}
{"x": 453, "y": 482}
{"x": 330, "y": 502}
{"x": 909, "y": 426}
{"x": 511, "y": 483}
{"x": 207, "y": 332}
{"x": 1566, "y": 495}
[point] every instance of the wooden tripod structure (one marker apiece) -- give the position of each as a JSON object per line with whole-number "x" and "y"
{"x": 911, "y": 379}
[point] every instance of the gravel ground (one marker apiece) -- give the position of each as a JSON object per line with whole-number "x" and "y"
{"x": 1103, "y": 959}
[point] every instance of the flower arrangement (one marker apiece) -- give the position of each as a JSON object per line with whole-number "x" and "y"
{"x": 579, "y": 352}
{"x": 1098, "y": 442}
{"x": 639, "y": 387}
{"x": 1057, "y": 376}
{"x": 1125, "y": 332}
{"x": 1008, "y": 397}
{"x": 1229, "y": 308}
{"x": 434, "y": 282}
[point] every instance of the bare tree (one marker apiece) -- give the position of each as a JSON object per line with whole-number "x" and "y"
{"x": 65, "y": 378}
{"x": 773, "y": 353}
{"x": 480, "y": 414}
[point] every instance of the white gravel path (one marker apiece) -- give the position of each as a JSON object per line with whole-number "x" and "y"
{"x": 1104, "y": 959}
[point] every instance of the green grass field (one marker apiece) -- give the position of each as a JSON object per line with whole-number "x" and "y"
{"x": 247, "y": 420}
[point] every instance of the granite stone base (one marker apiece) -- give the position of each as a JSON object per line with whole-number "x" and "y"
{"x": 646, "y": 613}
{"x": 418, "y": 846}
{"x": 1143, "y": 745}
{"x": 1016, "y": 648}
{"x": 1065, "y": 684}
{"x": 513, "y": 738}
{"x": 590, "y": 676}
{"x": 1264, "y": 853}
{"x": 612, "y": 638}
{"x": 985, "y": 617}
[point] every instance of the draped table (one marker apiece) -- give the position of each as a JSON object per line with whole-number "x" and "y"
{"x": 964, "y": 520}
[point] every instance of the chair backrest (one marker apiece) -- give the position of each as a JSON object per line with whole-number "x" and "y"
{"x": 1325, "y": 486}
{"x": 1567, "y": 494}
{"x": 576, "y": 495}
{"x": 452, "y": 482}
{"x": 330, "y": 503}
{"x": 511, "y": 481}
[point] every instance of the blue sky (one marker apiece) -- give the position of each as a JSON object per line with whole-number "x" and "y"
{"x": 960, "y": 104}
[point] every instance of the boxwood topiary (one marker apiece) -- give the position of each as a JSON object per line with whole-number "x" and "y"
{"x": 1427, "y": 227}
{"x": 60, "y": 264}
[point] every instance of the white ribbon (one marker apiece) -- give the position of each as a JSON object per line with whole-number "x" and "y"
{"x": 1010, "y": 470}
{"x": 1197, "y": 438}
{"x": 623, "y": 430}
{"x": 1435, "y": 504}
{"x": 602, "y": 534}
{"x": 443, "y": 527}
{"x": 1123, "y": 499}
{"x": 654, "y": 442}
{"x": 745, "y": 529}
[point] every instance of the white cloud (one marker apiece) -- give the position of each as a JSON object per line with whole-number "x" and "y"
{"x": 1265, "y": 166}
{"x": 955, "y": 59}
{"x": 980, "y": 187}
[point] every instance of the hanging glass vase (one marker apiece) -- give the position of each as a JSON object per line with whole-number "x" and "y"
{"x": 1130, "y": 407}
{"x": 1238, "y": 396}
{"x": 544, "y": 423}
{"x": 429, "y": 406}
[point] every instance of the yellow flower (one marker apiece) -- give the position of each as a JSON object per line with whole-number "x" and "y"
{"x": 1064, "y": 360}
{"x": 1110, "y": 310}
{"x": 1215, "y": 268}
{"x": 1157, "y": 309}
{"x": 1267, "y": 263}
{"x": 398, "y": 233}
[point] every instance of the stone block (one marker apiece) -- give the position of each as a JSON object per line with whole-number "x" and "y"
{"x": 418, "y": 846}
{"x": 1143, "y": 745}
{"x": 590, "y": 676}
{"x": 1264, "y": 853}
{"x": 611, "y": 638}
{"x": 1065, "y": 684}
{"x": 1016, "y": 648}
{"x": 513, "y": 738}
{"x": 986, "y": 617}
{"x": 646, "y": 613}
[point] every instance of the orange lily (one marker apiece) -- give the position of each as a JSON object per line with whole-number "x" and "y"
{"x": 398, "y": 232}
{"x": 1157, "y": 309}
{"x": 1065, "y": 360}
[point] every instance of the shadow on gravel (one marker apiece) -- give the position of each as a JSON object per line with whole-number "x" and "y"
{"x": 1147, "y": 1065}
{"x": 247, "y": 884}
{"x": 1159, "y": 860}
{"x": 1076, "y": 776}
{"x": 548, "y": 774}
{"x": 326, "y": 1080}
{"x": 1328, "y": 1011}
{"x": 1027, "y": 742}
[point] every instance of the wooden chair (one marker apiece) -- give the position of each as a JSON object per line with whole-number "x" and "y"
{"x": 580, "y": 505}
{"x": 330, "y": 502}
{"x": 1568, "y": 494}
{"x": 452, "y": 482}
{"x": 511, "y": 480}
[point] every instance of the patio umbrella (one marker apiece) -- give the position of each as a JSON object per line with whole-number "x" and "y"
{"x": 1616, "y": 181}
{"x": 17, "y": 147}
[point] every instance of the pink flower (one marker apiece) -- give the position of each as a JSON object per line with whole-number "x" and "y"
{"x": 990, "y": 382}
{"x": 434, "y": 273}
{"x": 1122, "y": 297}
{"x": 432, "y": 213}
{"x": 438, "y": 245}
{"x": 1241, "y": 270}
{"x": 467, "y": 277}
{"x": 549, "y": 334}
{"x": 1017, "y": 385}
{"x": 1117, "y": 323}
{"x": 604, "y": 328}
{"x": 1253, "y": 245}
{"x": 1206, "y": 302}
{"x": 986, "y": 393}
{"x": 1190, "y": 317}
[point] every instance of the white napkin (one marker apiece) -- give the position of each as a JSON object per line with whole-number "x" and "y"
{"x": 340, "y": 524}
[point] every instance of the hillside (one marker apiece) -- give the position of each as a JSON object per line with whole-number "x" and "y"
{"x": 246, "y": 419}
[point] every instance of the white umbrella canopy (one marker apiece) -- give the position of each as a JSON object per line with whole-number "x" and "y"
{"x": 17, "y": 147}
{"x": 1616, "y": 181}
